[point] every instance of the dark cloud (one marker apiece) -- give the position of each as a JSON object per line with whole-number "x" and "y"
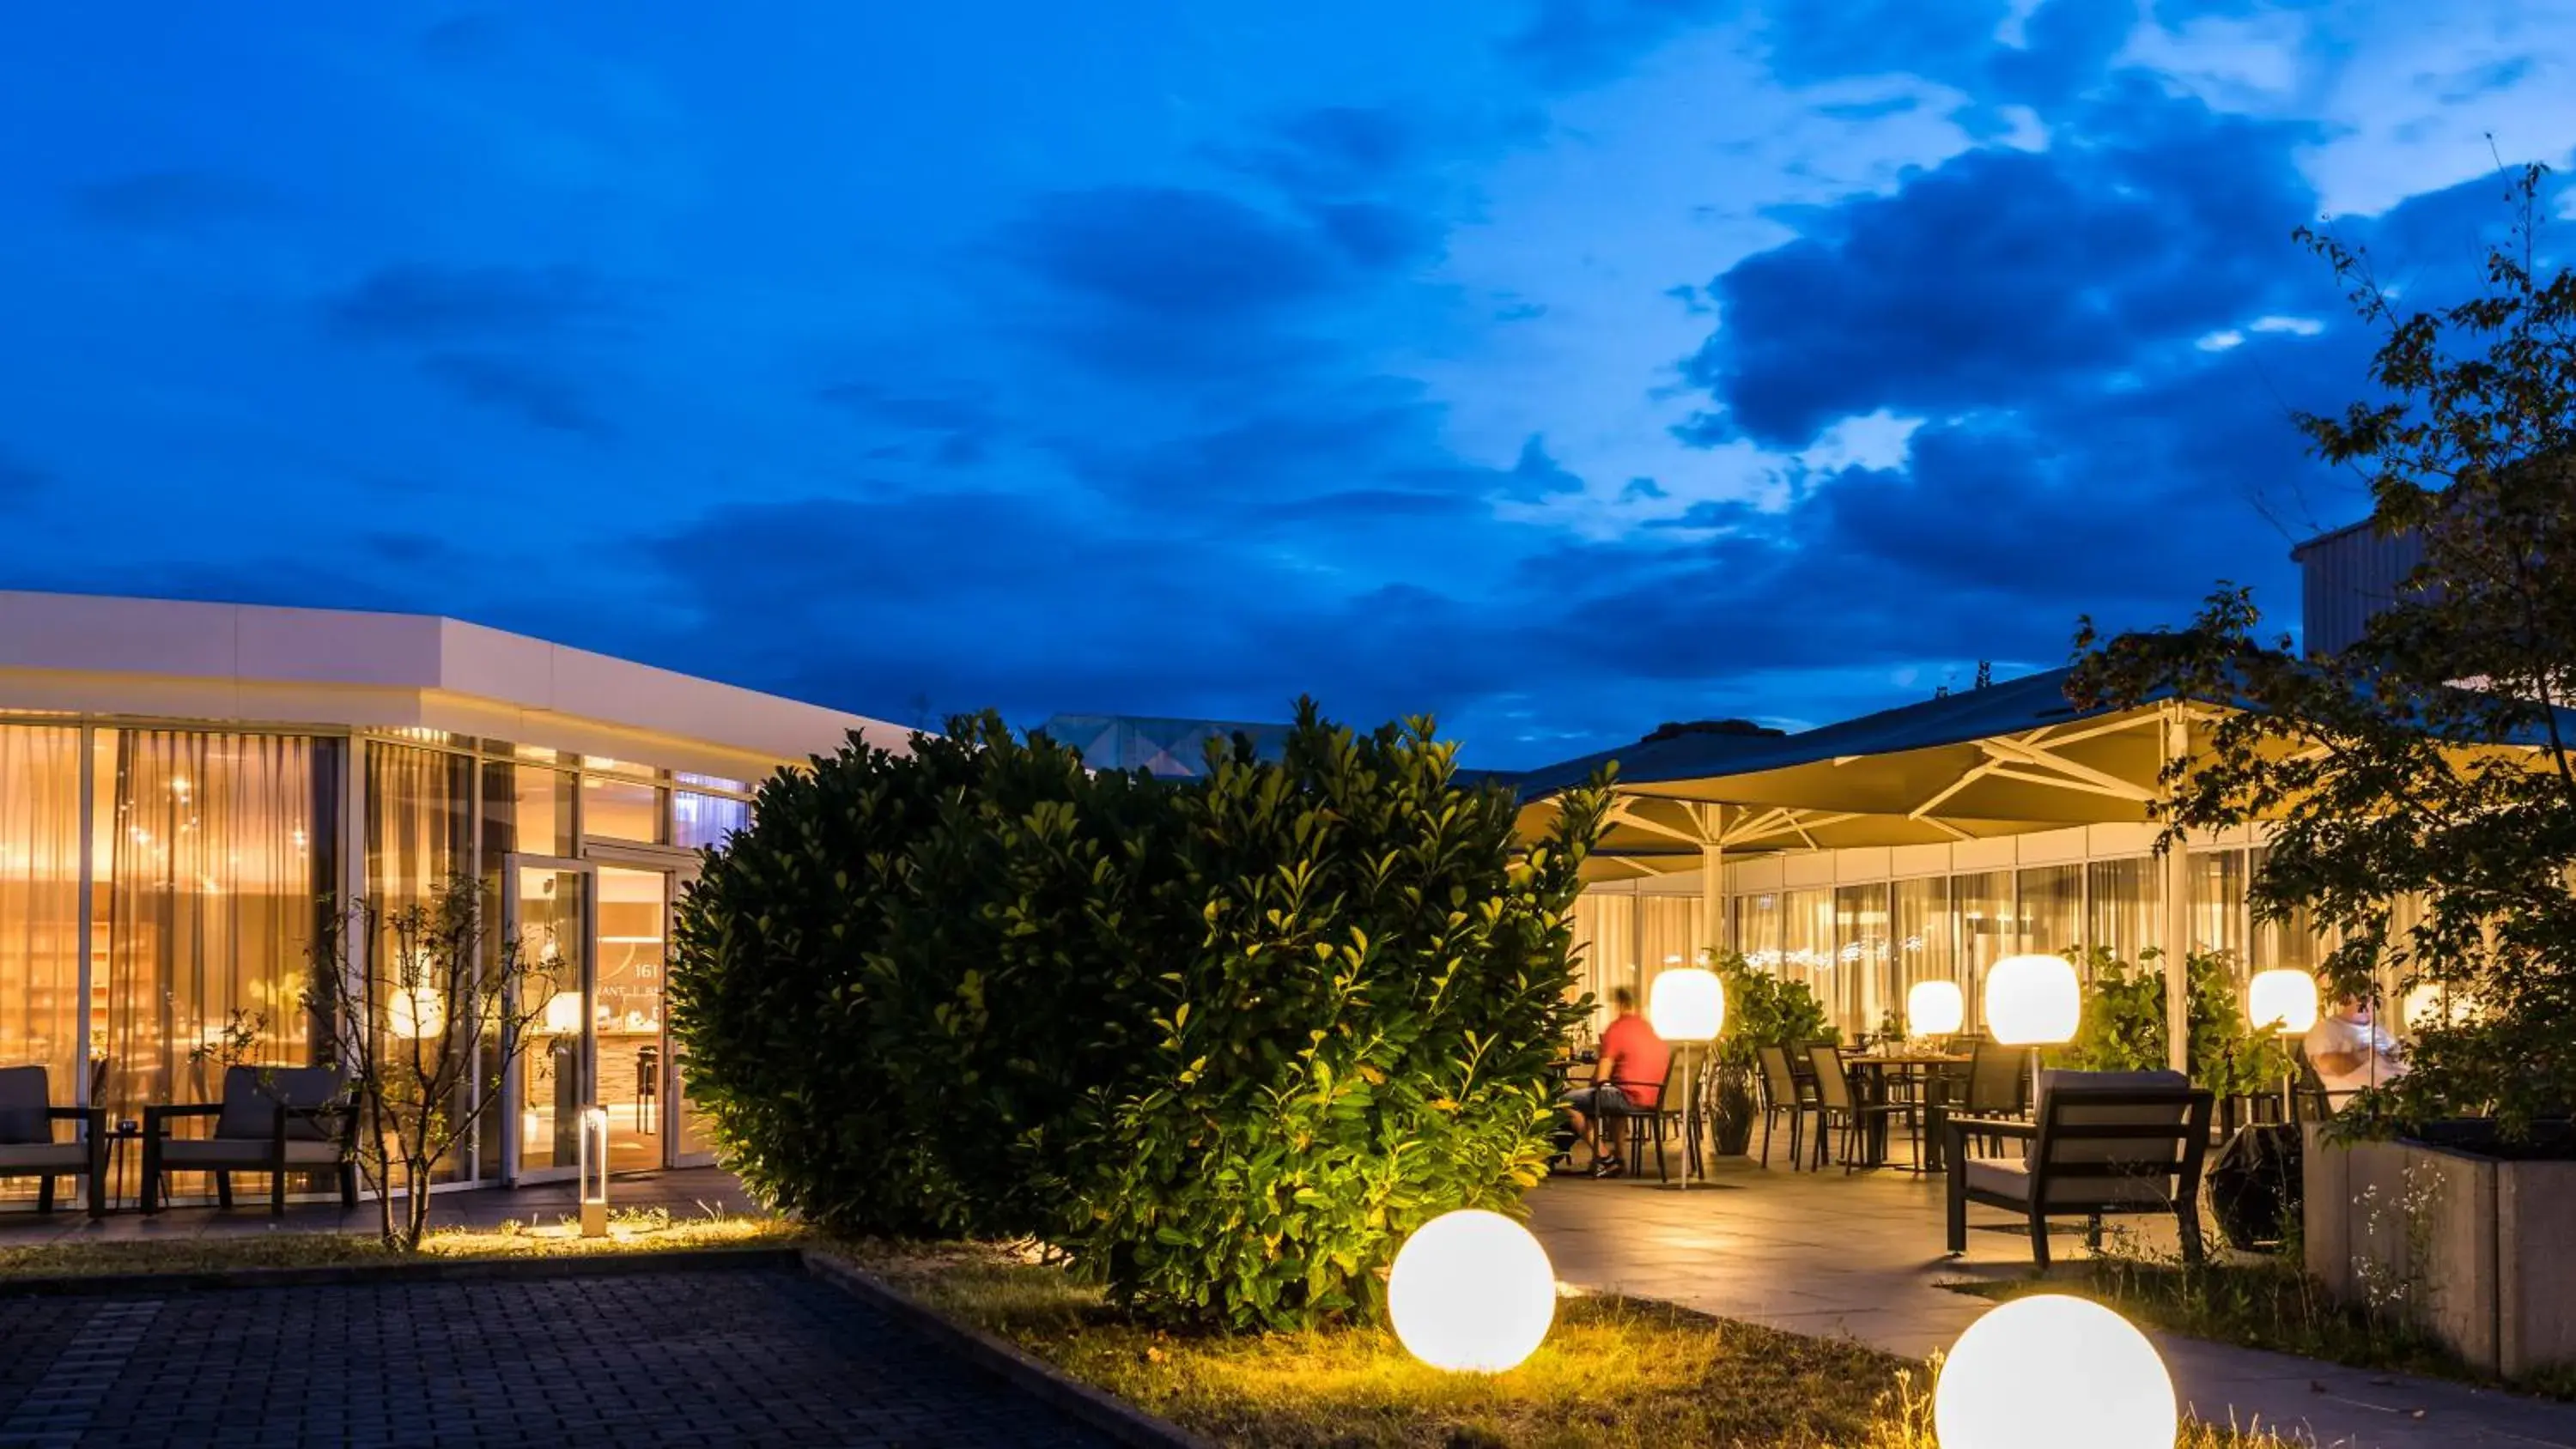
{"x": 1573, "y": 43}
{"x": 531, "y": 391}
{"x": 168, "y": 201}
{"x": 426, "y": 302}
{"x": 1166, "y": 252}
{"x": 2002, "y": 274}
{"x": 1380, "y": 238}
{"x": 1333, "y": 151}
{"x": 958, "y": 429}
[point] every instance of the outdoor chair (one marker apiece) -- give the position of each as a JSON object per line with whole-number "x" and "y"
{"x": 1837, "y": 1105}
{"x": 1783, "y": 1091}
{"x": 1996, "y": 1084}
{"x": 1635, "y": 1124}
{"x": 27, "y": 1145}
{"x": 2100, "y": 1143}
{"x": 275, "y": 1120}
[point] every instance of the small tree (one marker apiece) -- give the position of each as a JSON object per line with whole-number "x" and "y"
{"x": 2429, "y": 759}
{"x": 403, "y": 1026}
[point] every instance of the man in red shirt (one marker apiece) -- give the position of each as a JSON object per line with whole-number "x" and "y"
{"x": 1628, "y": 1077}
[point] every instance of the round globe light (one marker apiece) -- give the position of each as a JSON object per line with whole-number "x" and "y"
{"x": 2048, "y": 1371}
{"x": 1936, "y": 1008}
{"x": 2033, "y": 1001}
{"x": 417, "y": 1013}
{"x": 1687, "y": 1004}
{"x": 1471, "y": 1292}
{"x": 2283, "y": 1000}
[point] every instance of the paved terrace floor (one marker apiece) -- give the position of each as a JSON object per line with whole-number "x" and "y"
{"x": 1827, "y": 1254}
{"x": 1816, "y": 1253}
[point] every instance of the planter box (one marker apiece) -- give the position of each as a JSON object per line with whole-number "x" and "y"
{"x": 2492, "y": 1268}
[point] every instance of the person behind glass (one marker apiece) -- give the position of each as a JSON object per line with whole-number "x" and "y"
{"x": 1628, "y": 1077}
{"x": 2350, "y": 1050}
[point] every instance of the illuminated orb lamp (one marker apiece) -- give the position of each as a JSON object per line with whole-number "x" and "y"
{"x": 418, "y": 1014}
{"x": 1936, "y": 1008}
{"x": 1687, "y": 1004}
{"x": 2033, "y": 1001}
{"x": 563, "y": 1013}
{"x": 1471, "y": 1292}
{"x": 2049, "y": 1371}
{"x": 2282, "y": 1000}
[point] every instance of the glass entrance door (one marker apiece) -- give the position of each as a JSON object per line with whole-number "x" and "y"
{"x": 627, "y": 1014}
{"x": 549, "y": 907}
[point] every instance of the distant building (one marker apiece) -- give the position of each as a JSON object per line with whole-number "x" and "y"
{"x": 1173, "y": 749}
{"x": 2345, "y": 577}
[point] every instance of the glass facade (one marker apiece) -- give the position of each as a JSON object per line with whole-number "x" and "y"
{"x": 162, "y": 892}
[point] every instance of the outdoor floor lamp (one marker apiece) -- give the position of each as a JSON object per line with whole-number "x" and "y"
{"x": 2033, "y": 1001}
{"x": 2283, "y": 1000}
{"x": 1687, "y": 1008}
{"x": 1935, "y": 1008}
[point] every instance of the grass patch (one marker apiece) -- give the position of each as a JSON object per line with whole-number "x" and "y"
{"x": 640, "y": 1230}
{"x": 1613, "y": 1371}
{"x": 2267, "y": 1303}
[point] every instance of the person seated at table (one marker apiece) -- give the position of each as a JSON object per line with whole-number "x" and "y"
{"x": 1628, "y": 1076}
{"x": 2351, "y": 1050}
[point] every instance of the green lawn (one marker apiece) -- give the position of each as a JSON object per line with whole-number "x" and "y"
{"x": 1614, "y": 1372}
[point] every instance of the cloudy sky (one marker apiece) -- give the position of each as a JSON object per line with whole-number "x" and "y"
{"x": 1555, "y": 366}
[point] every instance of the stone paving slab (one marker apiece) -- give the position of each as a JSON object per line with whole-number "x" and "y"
{"x": 1861, "y": 1256}
{"x": 750, "y": 1356}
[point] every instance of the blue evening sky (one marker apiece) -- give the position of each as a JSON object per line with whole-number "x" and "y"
{"x": 1555, "y": 366}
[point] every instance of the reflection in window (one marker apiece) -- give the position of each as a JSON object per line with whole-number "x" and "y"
{"x": 1757, "y": 930}
{"x": 1807, "y": 942}
{"x": 219, "y": 858}
{"x": 703, "y": 821}
{"x": 40, "y": 905}
{"x": 527, "y": 810}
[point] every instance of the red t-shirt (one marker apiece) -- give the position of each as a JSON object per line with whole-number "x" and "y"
{"x": 1636, "y": 1059}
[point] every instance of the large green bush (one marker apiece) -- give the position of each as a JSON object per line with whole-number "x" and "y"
{"x": 1223, "y": 1040}
{"x": 2123, "y": 1026}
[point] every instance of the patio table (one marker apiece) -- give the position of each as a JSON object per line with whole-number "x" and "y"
{"x": 1872, "y": 1072}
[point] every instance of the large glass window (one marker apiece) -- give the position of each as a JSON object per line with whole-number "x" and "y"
{"x": 1861, "y": 955}
{"x": 218, "y": 859}
{"x": 2218, "y": 901}
{"x": 1807, "y": 943}
{"x": 1926, "y": 935}
{"x": 417, "y": 804}
{"x": 1988, "y": 931}
{"x": 2291, "y": 941}
{"x": 527, "y": 809}
{"x": 1757, "y": 930}
{"x": 701, "y": 822}
{"x": 40, "y": 904}
{"x": 2125, "y": 915}
{"x": 2052, "y": 908}
{"x": 614, "y": 809}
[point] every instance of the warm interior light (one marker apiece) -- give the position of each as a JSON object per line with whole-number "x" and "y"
{"x": 1687, "y": 1004}
{"x": 2424, "y": 1006}
{"x": 2033, "y": 1001}
{"x": 2283, "y": 1000}
{"x": 1936, "y": 1008}
{"x": 418, "y": 1014}
{"x": 563, "y": 1013}
{"x": 2049, "y": 1371}
{"x": 1471, "y": 1292}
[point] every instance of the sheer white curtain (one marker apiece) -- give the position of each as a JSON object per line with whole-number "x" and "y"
{"x": 221, "y": 855}
{"x": 40, "y": 942}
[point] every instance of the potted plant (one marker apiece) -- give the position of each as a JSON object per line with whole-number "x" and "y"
{"x": 1761, "y": 1010}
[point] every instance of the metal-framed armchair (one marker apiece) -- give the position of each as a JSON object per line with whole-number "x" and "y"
{"x": 1783, "y": 1090}
{"x": 1635, "y": 1123}
{"x": 28, "y": 1147}
{"x": 277, "y": 1120}
{"x": 2100, "y": 1143}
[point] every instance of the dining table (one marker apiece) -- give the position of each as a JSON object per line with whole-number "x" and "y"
{"x": 1882, "y": 1078}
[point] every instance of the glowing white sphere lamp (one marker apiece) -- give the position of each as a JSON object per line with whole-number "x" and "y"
{"x": 1687, "y": 1007}
{"x": 418, "y": 1014}
{"x": 2050, "y": 1371}
{"x": 1936, "y": 1008}
{"x": 1471, "y": 1292}
{"x": 2282, "y": 1000}
{"x": 2033, "y": 1001}
{"x": 1687, "y": 1004}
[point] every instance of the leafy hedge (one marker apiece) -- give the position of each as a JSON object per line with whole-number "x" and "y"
{"x": 1224, "y": 1041}
{"x": 2123, "y": 1026}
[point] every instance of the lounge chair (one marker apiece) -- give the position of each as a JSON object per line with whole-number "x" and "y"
{"x": 28, "y": 1147}
{"x": 275, "y": 1120}
{"x": 2100, "y": 1143}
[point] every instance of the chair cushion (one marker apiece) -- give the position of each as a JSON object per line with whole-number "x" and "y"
{"x": 23, "y": 1101}
{"x": 252, "y": 1095}
{"x": 2009, "y": 1177}
{"x": 23, "y": 1156}
{"x": 245, "y": 1153}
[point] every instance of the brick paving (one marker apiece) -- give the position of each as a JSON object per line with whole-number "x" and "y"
{"x": 720, "y": 1357}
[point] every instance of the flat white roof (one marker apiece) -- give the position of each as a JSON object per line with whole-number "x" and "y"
{"x": 253, "y": 664}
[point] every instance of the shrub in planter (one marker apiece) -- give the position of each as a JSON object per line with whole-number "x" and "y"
{"x": 1761, "y": 1010}
{"x": 1353, "y": 1030}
